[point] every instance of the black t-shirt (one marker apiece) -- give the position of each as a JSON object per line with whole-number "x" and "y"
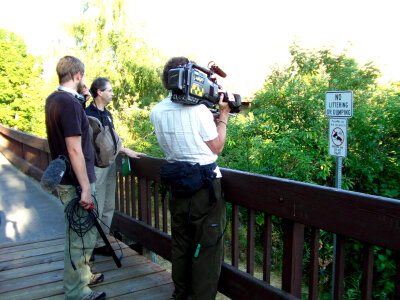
{"x": 104, "y": 116}
{"x": 65, "y": 117}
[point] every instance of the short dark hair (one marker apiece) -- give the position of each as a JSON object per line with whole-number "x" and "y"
{"x": 172, "y": 63}
{"x": 99, "y": 83}
{"x": 68, "y": 67}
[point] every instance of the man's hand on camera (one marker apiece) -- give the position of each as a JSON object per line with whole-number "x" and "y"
{"x": 224, "y": 106}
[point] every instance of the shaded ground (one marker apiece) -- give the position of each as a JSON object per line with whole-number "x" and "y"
{"x": 27, "y": 213}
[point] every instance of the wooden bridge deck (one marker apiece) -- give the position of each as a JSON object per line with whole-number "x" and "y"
{"x": 34, "y": 270}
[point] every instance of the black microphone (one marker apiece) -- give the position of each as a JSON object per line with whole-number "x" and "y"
{"x": 214, "y": 67}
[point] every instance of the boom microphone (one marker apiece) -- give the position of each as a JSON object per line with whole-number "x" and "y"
{"x": 54, "y": 173}
{"x": 213, "y": 66}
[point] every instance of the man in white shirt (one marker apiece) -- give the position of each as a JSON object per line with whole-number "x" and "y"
{"x": 187, "y": 133}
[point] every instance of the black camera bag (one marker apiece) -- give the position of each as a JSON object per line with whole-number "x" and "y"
{"x": 186, "y": 178}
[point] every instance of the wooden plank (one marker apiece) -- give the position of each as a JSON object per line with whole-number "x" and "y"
{"x": 32, "y": 252}
{"x": 127, "y": 195}
{"x": 267, "y": 248}
{"x": 159, "y": 292}
{"x": 29, "y": 261}
{"x": 156, "y": 206}
{"x": 7, "y": 248}
{"x": 397, "y": 276}
{"x": 151, "y": 238}
{"x": 25, "y": 138}
{"x": 59, "y": 264}
{"x": 42, "y": 258}
{"x": 47, "y": 279}
{"x": 368, "y": 269}
{"x": 133, "y": 194}
{"x": 18, "y": 273}
{"x": 22, "y": 164}
{"x": 142, "y": 200}
{"x": 250, "y": 242}
{"x": 368, "y": 218}
{"x": 237, "y": 284}
{"x": 235, "y": 235}
{"x": 165, "y": 213}
{"x": 127, "y": 261}
{"x": 148, "y": 202}
{"x": 314, "y": 264}
{"x": 338, "y": 287}
{"x": 121, "y": 192}
{"x": 128, "y": 285}
{"x": 292, "y": 257}
{"x": 35, "y": 292}
{"x": 117, "y": 191}
{"x": 29, "y": 281}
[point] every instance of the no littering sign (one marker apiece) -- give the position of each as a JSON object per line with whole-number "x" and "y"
{"x": 339, "y": 104}
{"x": 338, "y": 137}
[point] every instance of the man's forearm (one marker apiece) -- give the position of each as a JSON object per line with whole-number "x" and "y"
{"x": 217, "y": 145}
{"x": 79, "y": 168}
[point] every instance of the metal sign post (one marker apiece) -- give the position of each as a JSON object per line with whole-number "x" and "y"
{"x": 339, "y": 108}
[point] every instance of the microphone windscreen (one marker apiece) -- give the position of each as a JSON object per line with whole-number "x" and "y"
{"x": 219, "y": 71}
{"x": 53, "y": 174}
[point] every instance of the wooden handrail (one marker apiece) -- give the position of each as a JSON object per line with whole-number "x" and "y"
{"x": 372, "y": 220}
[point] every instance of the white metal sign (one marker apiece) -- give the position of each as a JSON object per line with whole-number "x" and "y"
{"x": 338, "y": 137}
{"x": 339, "y": 104}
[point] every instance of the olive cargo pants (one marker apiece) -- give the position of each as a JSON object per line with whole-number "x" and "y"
{"x": 106, "y": 185}
{"x": 76, "y": 281}
{"x": 195, "y": 221}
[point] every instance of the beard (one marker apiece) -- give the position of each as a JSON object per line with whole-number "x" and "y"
{"x": 80, "y": 86}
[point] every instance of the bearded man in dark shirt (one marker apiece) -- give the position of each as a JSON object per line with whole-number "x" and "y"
{"x": 68, "y": 134}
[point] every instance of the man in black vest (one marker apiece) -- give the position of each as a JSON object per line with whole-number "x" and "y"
{"x": 102, "y": 93}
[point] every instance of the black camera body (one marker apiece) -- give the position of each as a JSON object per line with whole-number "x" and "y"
{"x": 192, "y": 84}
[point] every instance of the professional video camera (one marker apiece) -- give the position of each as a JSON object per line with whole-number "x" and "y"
{"x": 193, "y": 84}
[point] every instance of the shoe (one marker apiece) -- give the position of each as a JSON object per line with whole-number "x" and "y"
{"x": 96, "y": 278}
{"x": 95, "y": 296}
{"x": 102, "y": 251}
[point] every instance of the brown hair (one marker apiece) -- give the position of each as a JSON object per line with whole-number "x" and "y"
{"x": 173, "y": 63}
{"x": 68, "y": 67}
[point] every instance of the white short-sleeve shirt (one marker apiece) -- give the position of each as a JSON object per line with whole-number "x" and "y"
{"x": 182, "y": 131}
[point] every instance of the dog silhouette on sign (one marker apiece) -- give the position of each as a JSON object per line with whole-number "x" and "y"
{"x": 336, "y": 136}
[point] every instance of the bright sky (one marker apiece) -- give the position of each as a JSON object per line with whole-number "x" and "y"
{"x": 245, "y": 38}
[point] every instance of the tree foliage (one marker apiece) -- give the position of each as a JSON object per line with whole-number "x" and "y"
{"x": 288, "y": 132}
{"x": 285, "y": 134}
{"x": 21, "y": 97}
{"x": 108, "y": 46}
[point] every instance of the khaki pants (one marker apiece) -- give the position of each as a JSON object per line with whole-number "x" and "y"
{"x": 105, "y": 190}
{"x": 197, "y": 276}
{"x": 76, "y": 281}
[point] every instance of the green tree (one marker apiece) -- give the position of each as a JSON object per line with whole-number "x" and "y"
{"x": 285, "y": 134}
{"x": 21, "y": 99}
{"x": 288, "y": 132}
{"x": 109, "y": 47}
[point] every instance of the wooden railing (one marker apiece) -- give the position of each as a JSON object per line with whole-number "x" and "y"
{"x": 142, "y": 215}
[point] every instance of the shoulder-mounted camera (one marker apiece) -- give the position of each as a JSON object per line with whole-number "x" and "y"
{"x": 192, "y": 84}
